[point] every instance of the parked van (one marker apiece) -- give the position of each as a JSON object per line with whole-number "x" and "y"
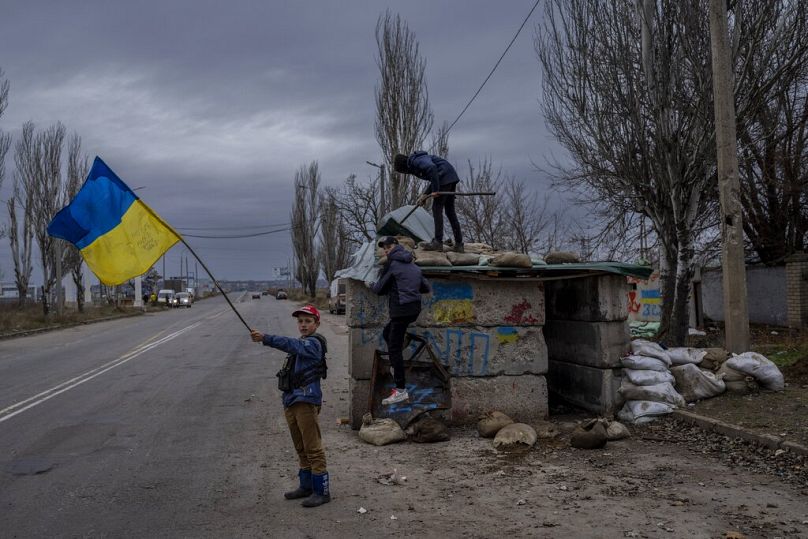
{"x": 336, "y": 296}
{"x": 165, "y": 296}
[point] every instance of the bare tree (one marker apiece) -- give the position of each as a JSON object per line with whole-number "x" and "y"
{"x": 440, "y": 141}
{"x": 38, "y": 160}
{"x": 483, "y": 218}
{"x": 5, "y": 138}
{"x": 403, "y": 115}
{"x": 77, "y": 168}
{"x": 334, "y": 247}
{"x": 21, "y": 237}
{"x": 527, "y": 218}
{"x": 360, "y": 209}
{"x": 304, "y": 219}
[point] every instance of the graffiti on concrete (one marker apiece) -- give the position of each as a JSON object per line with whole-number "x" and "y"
{"x": 465, "y": 352}
{"x": 520, "y": 315}
{"x": 645, "y": 303}
{"x": 507, "y": 335}
{"x": 452, "y": 303}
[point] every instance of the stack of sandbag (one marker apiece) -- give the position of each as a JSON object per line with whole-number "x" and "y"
{"x": 693, "y": 382}
{"x": 647, "y": 383}
{"x": 430, "y": 258}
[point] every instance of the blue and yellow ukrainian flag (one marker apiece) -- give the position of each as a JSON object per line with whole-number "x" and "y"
{"x": 117, "y": 234}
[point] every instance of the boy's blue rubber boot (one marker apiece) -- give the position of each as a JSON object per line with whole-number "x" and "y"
{"x": 321, "y": 492}
{"x": 304, "y": 490}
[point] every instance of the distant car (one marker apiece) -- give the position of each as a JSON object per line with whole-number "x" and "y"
{"x": 264, "y": 292}
{"x": 256, "y": 295}
{"x": 281, "y": 295}
{"x": 336, "y": 297}
{"x": 165, "y": 296}
{"x": 182, "y": 299}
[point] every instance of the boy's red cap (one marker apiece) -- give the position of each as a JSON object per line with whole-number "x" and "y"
{"x": 308, "y": 309}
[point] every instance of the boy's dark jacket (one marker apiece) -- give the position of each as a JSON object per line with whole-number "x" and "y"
{"x": 309, "y": 353}
{"x": 402, "y": 282}
{"x": 436, "y": 170}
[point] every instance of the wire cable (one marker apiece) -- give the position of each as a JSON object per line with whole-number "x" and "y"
{"x": 494, "y": 68}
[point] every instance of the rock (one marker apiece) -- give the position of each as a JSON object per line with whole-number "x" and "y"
{"x": 490, "y": 423}
{"x": 590, "y": 435}
{"x": 513, "y": 434}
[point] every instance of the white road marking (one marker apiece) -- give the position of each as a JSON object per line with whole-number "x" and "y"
{"x": 18, "y": 408}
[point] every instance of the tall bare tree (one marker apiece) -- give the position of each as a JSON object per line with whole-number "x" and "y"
{"x": 21, "y": 236}
{"x": 360, "y": 208}
{"x": 304, "y": 221}
{"x": 334, "y": 246}
{"x": 78, "y": 166}
{"x": 628, "y": 92}
{"x": 38, "y": 159}
{"x": 403, "y": 115}
{"x": 5, "y": 138}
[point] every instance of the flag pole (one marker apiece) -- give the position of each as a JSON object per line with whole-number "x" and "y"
{"x": 215, "y": 282}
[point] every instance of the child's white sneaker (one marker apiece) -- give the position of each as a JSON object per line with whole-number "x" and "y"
{"x": 396, "y": 396}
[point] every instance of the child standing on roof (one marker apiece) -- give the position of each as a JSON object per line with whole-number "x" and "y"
{"x": 403, "y": 283}
{"x": 299, "y": 379}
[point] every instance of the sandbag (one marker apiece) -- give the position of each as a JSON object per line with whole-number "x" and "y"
{"x": 431, "y": 258}
{"x": 546, "y": 429}
{"x": 515, "y": 434}
{"x": 742, "y": 387}
{"x": 696, "y": 384}
{"x": 728, "y": 374}
{"x": 617, "y": 431}
{"x": 477, "y": 248}
{"x": 760, "y": 368}
{"x": 380, "y": 431}
{"x": 648, "y": 377}
{"x": 406, "y": 242}
{"x": 657, "y": 392}
{"x": 683, "y": 355}
{"x": 491, "y": 422}
{"x": 642, "y": 363}
{"x": 590, "y": 435}
{"x": 463, "y": 259}
{"x": 561, "y": 257}
{"x": 427, "y": 429}
{"x": 641, "y": 347}
{"x": 511, "y": 260}
{"x": 637, "y": 412}
{"x": 714, "y": 358}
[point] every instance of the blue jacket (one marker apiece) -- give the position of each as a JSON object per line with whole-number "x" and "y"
{"x": 308, "y": 353}
{"x": 436, "y": 170}
{"x": 402, "y": 282}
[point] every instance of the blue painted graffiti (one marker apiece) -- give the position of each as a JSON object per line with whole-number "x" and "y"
{"x": 449, "y": 350}
{"x": 447, "y": 291}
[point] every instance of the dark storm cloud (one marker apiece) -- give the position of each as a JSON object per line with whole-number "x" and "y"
{"x": 213, "y": 106}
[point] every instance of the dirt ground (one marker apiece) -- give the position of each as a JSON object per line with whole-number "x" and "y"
{"x": 667, "y": 480}
{"x": 783, "y": 414}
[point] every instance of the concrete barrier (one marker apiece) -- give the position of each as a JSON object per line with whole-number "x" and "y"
{"x": 524, "y": 398}
{"x": 590, "y": 388}
{"x": 600, "y": 298}
{"x": 595, "y": 344}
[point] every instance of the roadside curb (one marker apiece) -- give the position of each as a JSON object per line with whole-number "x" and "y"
{"x": 27, "y": 332}
{"x": 727, "y": 429}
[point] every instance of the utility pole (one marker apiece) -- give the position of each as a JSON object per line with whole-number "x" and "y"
{"x": 381, "y": 186}
{"x": 736, "y": 313}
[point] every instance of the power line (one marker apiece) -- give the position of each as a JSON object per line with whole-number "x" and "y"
{"x": 240, "y": 235}
{"x": 495, "y": 67}
{"x": 245, "y": 227}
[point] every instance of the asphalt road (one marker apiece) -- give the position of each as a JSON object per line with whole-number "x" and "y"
{"x": 154, "y": 426}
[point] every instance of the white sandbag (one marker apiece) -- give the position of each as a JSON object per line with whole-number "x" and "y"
{"x": 648, "y": 377}
{"x": 731, "y": 375}
{"x": 657, "y": 392}
{"x": 684, "y": 355}
{"x": 616, "y": 431}
{"x": 641, "y": 347}
{"x": 760, "y": 368}
{"x": 695, "y": 384}
{"x": 643, "y": 411}
{"x": 643, "y": 363}
{"x": 478, "y": 248}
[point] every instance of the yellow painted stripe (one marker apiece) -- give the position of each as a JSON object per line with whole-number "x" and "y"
{"x": 651, "y": 301}
{"x": 131, "y": 248}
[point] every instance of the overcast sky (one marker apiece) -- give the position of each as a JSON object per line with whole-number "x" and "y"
{"x": 212, "y": 106}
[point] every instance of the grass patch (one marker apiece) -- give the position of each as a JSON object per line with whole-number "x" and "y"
{"x": 30, "y": 317}
{"x": 320, "y": 300}
{"x": 784, "y": 356}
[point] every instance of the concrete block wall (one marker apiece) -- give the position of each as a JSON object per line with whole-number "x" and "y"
{"x": 797, "y": 290}
{"x": 587, "y": 333}
{"x": 488, "y": 333}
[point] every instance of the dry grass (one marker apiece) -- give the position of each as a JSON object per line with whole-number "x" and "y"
{"x": 30, "y": 317}
{"x": 320, "y": 300}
